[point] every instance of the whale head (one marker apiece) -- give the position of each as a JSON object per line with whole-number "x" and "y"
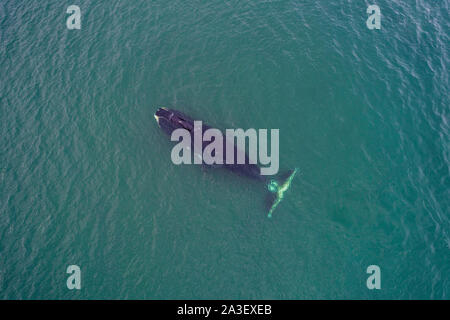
{"x": 170, "y": 120}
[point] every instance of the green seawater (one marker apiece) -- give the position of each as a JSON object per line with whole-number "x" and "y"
{"x": 86, "y": 177}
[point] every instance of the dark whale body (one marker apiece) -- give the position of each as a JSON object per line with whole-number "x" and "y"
{"x": 170, "y": 120}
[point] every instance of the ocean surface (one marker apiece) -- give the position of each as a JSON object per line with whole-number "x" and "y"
{"x": 86, "y": 177}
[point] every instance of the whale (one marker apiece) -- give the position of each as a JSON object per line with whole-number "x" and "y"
{"x": 170, "y": 120}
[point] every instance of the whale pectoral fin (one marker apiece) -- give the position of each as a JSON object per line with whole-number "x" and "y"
{"x": 281, "y": 189}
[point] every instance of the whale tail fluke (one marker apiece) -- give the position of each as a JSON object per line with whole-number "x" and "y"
{"x": 278, "y": 189}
